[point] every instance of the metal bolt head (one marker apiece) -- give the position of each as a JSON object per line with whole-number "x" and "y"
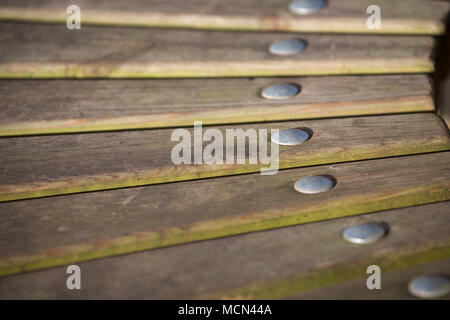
{"x": 307, "y": 6}
{"x": 365, "y": 233}
{"x": 315, "y": 184}
{"x": 431, "y": 287}
{"x": 287, "y": 47}
{"x": 290, "y": 137}
{"x": 280, "y": 91}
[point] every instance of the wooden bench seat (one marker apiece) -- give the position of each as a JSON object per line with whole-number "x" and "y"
{"x": 87, "y": 122}
{"x": 280, "y": 263}
{"x": 340, "y": 16}
{"x": 53, "y": 51}
{"x": 66, "y": 106}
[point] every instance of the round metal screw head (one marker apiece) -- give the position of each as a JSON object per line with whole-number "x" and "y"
{"x": 287, "y": 47}
{"x": 280, "y": 91}
{"x": 429, "y": 286}
{"x": 290, "y": 137}
{"x": 307, "y": 6}
{"x": 365, "y": 233}
{"x": 315, "y": 184}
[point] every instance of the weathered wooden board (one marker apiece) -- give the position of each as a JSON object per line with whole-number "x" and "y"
{"x": 394, "y": 285}
{"x": 442, "y": 77}
{"x": 61, "y": 106}
{"x": 272, "y": 264}
{"x": 49, "y": 51}
{"x": 341, "y": 16}
{"x": 48, "y": 232}
{"x": 52, "y": 165}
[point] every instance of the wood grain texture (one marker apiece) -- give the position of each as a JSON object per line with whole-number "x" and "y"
{"x": 394, "y": 285}
{"x": 52, "y": 165}
{"x": 443, "y": 77}
{"x": 273, "y": 264}
{"x": 48, "y": 232}
{"x": 49, "y": 51}
{"x": 62, "y": 106}
{"x": 340, "y": 16}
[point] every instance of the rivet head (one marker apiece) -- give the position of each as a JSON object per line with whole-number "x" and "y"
{"x": 315, "y": 184}
{"x": 365, "y": 233}
{"x": 281, "y": 91}
{"x": 287, "y": 47}
{"x": 307, "y": 6}
{"x": 290, "y": 137}
{"x": 433, "y": 286}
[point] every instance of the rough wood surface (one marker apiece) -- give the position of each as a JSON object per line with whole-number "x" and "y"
{"x": 273, "y": 264}
{"x": 52, "y": 165}
{"x": 341, "y": 16}
{"x": 394, "y": 285}
{"x": 49, "y": 51}
{"x": 48, "y": 232}
{"x": 61, "y": 106}
{"x": 443, "y": 77}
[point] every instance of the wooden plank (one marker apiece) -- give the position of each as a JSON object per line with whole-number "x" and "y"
{"x": 48, "y": 232}
{"x": 443, "y": 77}
{"x": 273, "y": 264}
{"x": 62, "y": 106}
{"x": 340, "y": 16}
{"x": 49, "y": 51}
{"x": 52, "y": 165}
{"x": 394, "y": 285}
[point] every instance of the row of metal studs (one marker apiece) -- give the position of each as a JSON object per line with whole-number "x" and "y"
{"x": 432, "y": 286}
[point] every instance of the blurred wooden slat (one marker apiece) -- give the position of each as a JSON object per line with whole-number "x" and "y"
{"x": 49, "y": 51}
{"x": 273, "y": 264}
{"x": 53, "y": 165}
{"x": 61, "y": 106}
{"x": 442, "y": 77}
{"x": 56, "y": 231}
{"x": 394, "y": 285}
{"x": 341, "y": 16}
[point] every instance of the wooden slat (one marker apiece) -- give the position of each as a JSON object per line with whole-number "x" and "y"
{"x": 341, "y": 16}
{"x": 273, "y": 264}
{"x": 48, "y": 51}
{"x": 61, "y": 106}
{"x": 394, "y": 285}
{"x": 443, "y": 77}
{"x": 48, "y": 232}
{"x": 53, "y": 165}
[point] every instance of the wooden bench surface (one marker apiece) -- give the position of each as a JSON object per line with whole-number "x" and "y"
{"x": 63, "y": 106}
{"x": 340, "y": 16}
{"x": 394, "y": 287}
{"x": 53, "y": 51}
{"x": 273, "y": 264}
{"x": 86, "y": 175}
{"x": 167, "y": 214}
{"x": 52, "y": 165}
